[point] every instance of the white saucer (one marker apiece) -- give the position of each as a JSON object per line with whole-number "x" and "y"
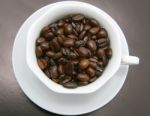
{"x": 53, "y": 102}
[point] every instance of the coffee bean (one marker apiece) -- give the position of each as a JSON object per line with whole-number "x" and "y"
{"x": 94, "y": 30}
{"x": 57, "y": 55}
{"x": 87, "y": 27}
{"x": 60, "y": 31}
{"x": 92, "y": 79}
{"x": 101, "y": 41}
{"x": 82, "y": 34}
{"x": 70, "y": 85}
{"x": 45, "y": 30}
{"x": 53, "y": 72}
{"x": 91, "y": 72}
{"x": 42, "y": 63}
{"x": 102, "y": 33}
{"x": 61, "y": 69}
{"x": 100, "y": 53}
{"x": 62, "y": 61}
{"x": 55, "y": 44}
{"x": 75, "y": 32}
{"x": 72, "y": 56}
{"x": 52, "y": 62}
{"x": 69, "y": 42}
{"x": 93, "y": 59}
{"x": 48, "y": 35}
{"x": 83, "y": 83}
{"x": 91, "y": 45}
{"x": 79, "y": 43}
{"x": 84, "y": 63}
{"x": 55, "y": 80}
{"x": 45, "y": 45}
{"x": 50, "y": 54}
{"x": 109, "y": 52}
{"x": 83, "y": 77}
{"x": 78, "y": 17}
{"x": 40, "y": 40}
{"x": 47, "y": 73}
{"x": 66, "y": 79}
{"x": 94, "y": 37}
{"x": 69, "y": 67}
{"x": 38, "y": 51}
{"x": 68, "y": 29}
{"x": 61, "y": 23}
{"x": 60, "y": 40}
{"x": 93, "y": 64}
{"x": 83, "y": 52}
{"x": 81, "y": 27}
{"x": 73, "y": 37}
{"x": 65, "y": 51}
{"x": 93, "y": 22}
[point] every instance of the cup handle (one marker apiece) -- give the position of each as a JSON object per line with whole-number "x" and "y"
{"x": 130, "y": 60}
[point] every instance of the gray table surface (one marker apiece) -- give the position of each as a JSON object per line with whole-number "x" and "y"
{"x": 133, "y": 16}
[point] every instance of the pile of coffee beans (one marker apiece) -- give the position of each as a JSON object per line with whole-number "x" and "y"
{"x": 73, "y": 51}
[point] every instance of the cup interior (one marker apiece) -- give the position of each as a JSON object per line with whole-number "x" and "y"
{"x": 58, "y": 11}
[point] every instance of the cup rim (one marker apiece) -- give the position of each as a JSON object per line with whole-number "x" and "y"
{"x": 48, "y": 82}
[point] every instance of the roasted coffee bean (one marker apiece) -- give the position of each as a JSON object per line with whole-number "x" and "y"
{"x": 82, "y": 34}
{"x": 45, "y": 30}
{"x": 83, "y": 83}
{"x": 56, "y": 80}
{"x": 91, "y": 45}
{"x": 94, "y": 37}
{"x": 69, "y": 42}
{"x": 100, "y": 53}
{"x": 47, "y": 73}
{"x": 45, "y": 45}
{"x": 94, "y": 30}
{"x": 72, "y": 56}
{"x": 70, "y": 85}
{"x": 75, "y": 32}
{"x": 48, "y": 35}
{"x": 69, "y": 67}
{"x": 109, "y": 52}
{"x": 66, "y": 79}
{"x": 102, "y": 33}
{"x": 60, "y": 31}
{"x": 38, "y": 51}
{"x": 42, "y": 63}
{"x": 50, "y": 54}
{"x": 65, "y": 51}
{"x": 84, "y": 63}
{"x": 91, "y": 72}
{"x": 68, "y": 28}
{"x": 62, "y": 61}
{"x": 93, "y": 59}
{"x": 83, "y": 77}
{"x": 101, "y": 41}
{"x": 79, "y": 43}
{"x": 92, "y": 79}
{"x": 83, "y": 52}
{"x": 52, "y": 62}
{"x": 87, "y": 27}
{"x": 98, "y": 73}
{"x": 81, "y": 27}
{"x": 93, "y": 22}
{"x": 53, "y": 71}
{"x": 61, "y": 23}
{"x": 57, "y": 55}
{"x": 60, "y": 40}
{"x": 61, "y": 69}
{"x": 78, "y": 17}
{"x": 55, "y": 44}
{"x": 73, "y": 51}
{"x": 40, "y": 40}
{"x": 73, "y": 37}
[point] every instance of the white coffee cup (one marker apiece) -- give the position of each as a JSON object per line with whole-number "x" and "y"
{"x": 59, "y": 10}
